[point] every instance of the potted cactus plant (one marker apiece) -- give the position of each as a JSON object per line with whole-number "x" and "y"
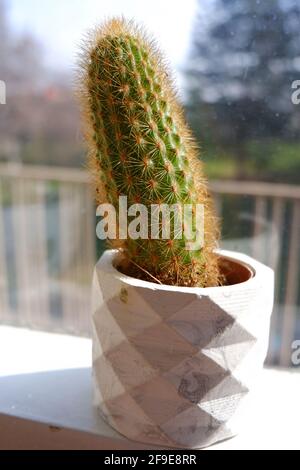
{"x": 179, "y": 334}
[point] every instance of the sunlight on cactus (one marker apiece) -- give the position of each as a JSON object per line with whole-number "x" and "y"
{"x": 140, "y": 146}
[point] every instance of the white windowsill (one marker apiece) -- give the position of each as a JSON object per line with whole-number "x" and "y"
{"x": 46, "y": 400}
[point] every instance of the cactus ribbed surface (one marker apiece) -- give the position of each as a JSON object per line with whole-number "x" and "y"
{"x": 141, "y": 147}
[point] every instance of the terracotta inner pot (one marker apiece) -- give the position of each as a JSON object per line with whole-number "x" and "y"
{"x": 235, "y": 272}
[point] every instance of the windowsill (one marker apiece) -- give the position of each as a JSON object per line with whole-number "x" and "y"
{"x": 46, "y": 399}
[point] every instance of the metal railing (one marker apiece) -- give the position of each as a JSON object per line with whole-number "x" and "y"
{"x": 48, "y": 248}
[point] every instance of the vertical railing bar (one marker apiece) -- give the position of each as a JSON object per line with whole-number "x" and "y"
{"x": 4, "y": 292}
{"x": 218, "y": 201}
{"x": 292, "y": 284}
{"x": 21, "y": 257}
{"x": 83, "y": 241}
{"x": 88, "y": 258}
{"x": 79, "y": 210}
{"x": 277, "y": 225}
{"x": 63, "y": 247}
{"x": 274, "y": 255}
{"x": 41, "y": 270}
{"x": 259, "y": 218}
{"x": 67, "y": 261}
{"x": 90, "y": 245}
{"x": 91, "y": 229}
{"x": 32, "y": 262}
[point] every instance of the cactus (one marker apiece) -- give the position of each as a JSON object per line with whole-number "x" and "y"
{"x": 140, "y": 146}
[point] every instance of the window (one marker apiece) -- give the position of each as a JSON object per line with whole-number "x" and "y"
{"x": 237, "y": 64}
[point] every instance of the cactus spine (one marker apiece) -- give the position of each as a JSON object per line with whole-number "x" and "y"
{"x": 140, "y": 146}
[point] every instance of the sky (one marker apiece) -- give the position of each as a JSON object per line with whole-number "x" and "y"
{"x": 60, "y": 24}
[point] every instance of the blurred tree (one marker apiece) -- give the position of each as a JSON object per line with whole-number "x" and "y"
{"x": 40, "y": 122}
{"x": 20, "y": 57}
{"x": 245, "y": 56}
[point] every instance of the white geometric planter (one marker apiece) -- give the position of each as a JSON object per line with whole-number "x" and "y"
{"x": 172, "y": 365}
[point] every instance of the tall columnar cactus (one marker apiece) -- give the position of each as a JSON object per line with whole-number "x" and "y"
{"x": 140, "y": 147}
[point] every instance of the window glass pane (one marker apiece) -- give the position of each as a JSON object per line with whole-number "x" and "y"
{"x": 237, "y": 63}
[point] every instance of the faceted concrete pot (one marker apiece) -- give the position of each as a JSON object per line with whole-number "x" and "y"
{"x": 172, "y": 365}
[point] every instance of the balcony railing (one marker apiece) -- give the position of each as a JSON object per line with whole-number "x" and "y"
{"x": 48, "y": 248}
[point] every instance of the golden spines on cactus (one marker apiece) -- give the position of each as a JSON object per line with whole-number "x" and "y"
{"x": 140, "y": 146}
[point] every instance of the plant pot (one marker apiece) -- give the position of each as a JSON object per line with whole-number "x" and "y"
{"x": 172, "y": 365}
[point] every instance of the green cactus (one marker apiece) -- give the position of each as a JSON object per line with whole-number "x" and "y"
{"x": 140, "y": 146}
